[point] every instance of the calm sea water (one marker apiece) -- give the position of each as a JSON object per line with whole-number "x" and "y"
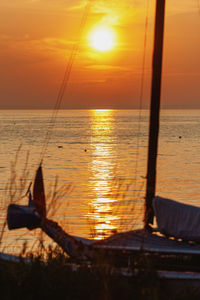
{"x": 99, "y": 160}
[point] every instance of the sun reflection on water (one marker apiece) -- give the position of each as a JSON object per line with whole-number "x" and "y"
{"x": 101, "y": 218}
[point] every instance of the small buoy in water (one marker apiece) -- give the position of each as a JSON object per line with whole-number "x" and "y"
{"x": 60, "y": 147}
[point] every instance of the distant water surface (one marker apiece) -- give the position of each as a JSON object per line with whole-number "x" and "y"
{"x": 99, "y": 156}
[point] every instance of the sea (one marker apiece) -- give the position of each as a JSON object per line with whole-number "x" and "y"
{"x": 94, "y": 166}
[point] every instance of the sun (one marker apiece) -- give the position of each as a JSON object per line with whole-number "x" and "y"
{"x": 102, "y": 39}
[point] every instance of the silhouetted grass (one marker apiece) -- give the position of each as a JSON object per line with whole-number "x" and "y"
{"x": 57, "y": 278}
{"x": 16, "y": 191}
{"x": 48, "y": 273}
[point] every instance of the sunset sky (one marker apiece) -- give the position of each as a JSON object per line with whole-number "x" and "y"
{"x": 37, "y": 37}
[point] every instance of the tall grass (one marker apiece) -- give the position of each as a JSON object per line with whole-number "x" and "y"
{"x": 54, "y": 277}
{"x": 16, "y": 191}
{"x": 48, "y": 273}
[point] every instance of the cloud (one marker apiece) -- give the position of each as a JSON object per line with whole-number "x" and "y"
{"x": 112, "y": 13}
{"x": 107, "y": 67}
{"x": 79, "y": 6}
{"x": 83, "y": 81}
{"x": 57, "y": 43}
{"x": 25, "y": 42}
{"x": 181, "y": 74}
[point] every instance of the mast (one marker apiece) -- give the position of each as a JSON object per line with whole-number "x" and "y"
{"x": 154, "y": 111}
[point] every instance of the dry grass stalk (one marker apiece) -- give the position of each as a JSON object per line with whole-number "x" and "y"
{"x": 16, "y": 192}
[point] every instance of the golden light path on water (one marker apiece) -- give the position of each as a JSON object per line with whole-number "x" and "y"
{"x": 102, "y": 173}
{"x": 95, "y": 152}
{"x": 94, "y": 158}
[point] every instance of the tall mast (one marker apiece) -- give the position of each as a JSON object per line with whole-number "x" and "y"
{"x": 155, "y": 110}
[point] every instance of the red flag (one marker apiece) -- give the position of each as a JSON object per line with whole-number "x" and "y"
{"x": 39, "y": 194}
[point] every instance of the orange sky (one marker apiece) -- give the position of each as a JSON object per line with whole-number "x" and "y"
{"x": 36, "y": 39}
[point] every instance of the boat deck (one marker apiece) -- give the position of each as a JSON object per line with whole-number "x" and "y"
{"x": 138, "y": 240}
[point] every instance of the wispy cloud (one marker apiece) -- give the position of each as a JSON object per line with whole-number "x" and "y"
{"x": 27, "y": 41}
{"x": 106, "y": 67}
{"x": 78, "y": 6}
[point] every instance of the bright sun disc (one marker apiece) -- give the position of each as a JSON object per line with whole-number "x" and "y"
{"x": 102, "y": 39}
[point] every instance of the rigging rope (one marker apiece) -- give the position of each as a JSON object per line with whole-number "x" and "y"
{"x": 141, "y": 92}
{"x": 65, "y": 81}
{"x": 141, "y": 103}
{"x": 66, "y": 78}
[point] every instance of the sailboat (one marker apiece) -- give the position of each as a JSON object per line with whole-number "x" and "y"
{"x": 171, "y": 246}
